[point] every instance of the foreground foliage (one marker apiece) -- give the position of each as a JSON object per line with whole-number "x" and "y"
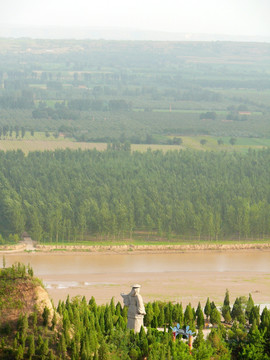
{"x": 83, "y": 330}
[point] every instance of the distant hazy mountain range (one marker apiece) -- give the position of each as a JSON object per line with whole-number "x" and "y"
{"x": 117, "y": 34}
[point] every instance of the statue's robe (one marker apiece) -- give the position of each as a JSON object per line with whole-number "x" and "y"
{"x": 136, "y": 311}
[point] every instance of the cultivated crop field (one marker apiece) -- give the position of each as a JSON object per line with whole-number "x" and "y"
{"x": 47, "y": 145}
{"x": 204, "y": 143}
{"x": 141, "y": 92}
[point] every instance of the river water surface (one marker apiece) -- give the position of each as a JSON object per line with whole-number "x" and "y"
{"x": 189, "y": 276}
{"x": 47, "y": 264}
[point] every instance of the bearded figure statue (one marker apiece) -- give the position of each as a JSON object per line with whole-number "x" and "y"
{"x": 136, "y": 310}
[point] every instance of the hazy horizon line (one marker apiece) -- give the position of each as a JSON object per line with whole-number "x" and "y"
{"x": 115, "y": 33}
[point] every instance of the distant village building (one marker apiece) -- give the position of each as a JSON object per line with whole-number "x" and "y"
{"x": 244, "y": 113}
{"x": 25, "y": 235}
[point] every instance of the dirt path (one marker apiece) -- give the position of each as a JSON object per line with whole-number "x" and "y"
{"x": 27, "y": 244}
{"x": 30, "y": 244}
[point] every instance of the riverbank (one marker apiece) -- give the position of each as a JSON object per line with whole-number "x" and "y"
{"x": 138, "y": 249}
{"x": 21, "y": 247}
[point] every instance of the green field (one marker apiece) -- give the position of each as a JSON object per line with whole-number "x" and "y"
{"x": 41, "y": 142}
{"x": 144, "y": 242}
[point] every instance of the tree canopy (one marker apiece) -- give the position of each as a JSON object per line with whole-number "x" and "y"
{"x": 68, "y": 195}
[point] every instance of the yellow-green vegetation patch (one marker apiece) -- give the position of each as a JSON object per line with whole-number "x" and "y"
{"x": 150, "y": 242}
{"x": 42, "y": 141}
{"x": 48, "y": 145}
{"x": 154, "y": 147}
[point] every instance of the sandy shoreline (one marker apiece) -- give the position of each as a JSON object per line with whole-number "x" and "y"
{"x": 153, "y": 248}
{"x": 130, "y": 249}
{"x": 182, "y": 287}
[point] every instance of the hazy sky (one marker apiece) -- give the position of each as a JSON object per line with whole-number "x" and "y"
{"x": 232, "y": 17}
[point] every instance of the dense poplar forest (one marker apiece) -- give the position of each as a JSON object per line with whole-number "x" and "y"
{"x": 80, "y": 329}
{"x": 78, "y": 195}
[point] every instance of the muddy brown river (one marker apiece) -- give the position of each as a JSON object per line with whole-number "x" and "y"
{"x": 186, "y": 277}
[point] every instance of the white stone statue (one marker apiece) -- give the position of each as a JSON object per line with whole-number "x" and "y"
{"x": 136, "y": 310}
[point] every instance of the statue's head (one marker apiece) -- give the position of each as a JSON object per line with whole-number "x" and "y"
{"x": 135, "y": 289}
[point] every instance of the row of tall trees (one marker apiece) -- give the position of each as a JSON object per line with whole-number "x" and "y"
{"x": 7, "y": 131}
{"x": 68, "y": 195}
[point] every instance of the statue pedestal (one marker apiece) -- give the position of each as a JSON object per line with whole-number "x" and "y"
{"x": 135, "y": 323}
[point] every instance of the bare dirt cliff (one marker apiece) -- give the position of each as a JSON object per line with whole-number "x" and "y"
{"x": 21, "y": 293}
